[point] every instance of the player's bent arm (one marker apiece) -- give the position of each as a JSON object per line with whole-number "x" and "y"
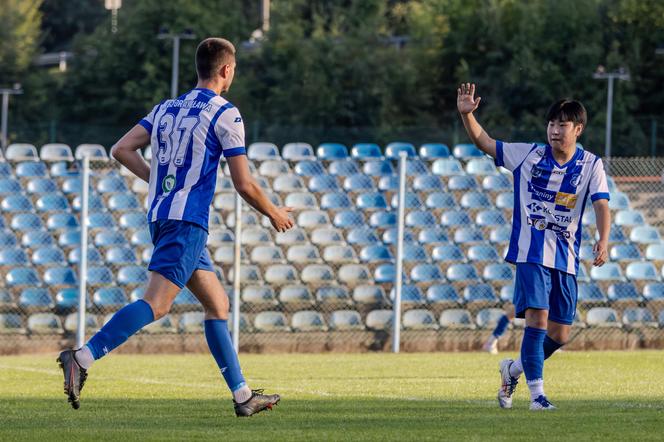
{"x": 603, "y": 217}
{"x": 478, "y": 135}
{"x": 126, "y": 151}
{"x": 251, "y": 192}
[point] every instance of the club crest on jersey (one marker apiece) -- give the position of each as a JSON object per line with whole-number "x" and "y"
{"x": 576, "y": 179}
{"x": 168, "y": 183}
{"x": 536, "y": 172}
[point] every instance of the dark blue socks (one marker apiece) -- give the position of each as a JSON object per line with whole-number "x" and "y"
{"x": 124, "y": 323}
{"x": 550, "y": 346}
{"x": 221, "y": 347}
{"x": 503, "y": 322}
{"x": 532, "y": 353}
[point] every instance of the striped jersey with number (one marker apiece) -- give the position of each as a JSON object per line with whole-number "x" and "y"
{"x": 188, "y": 135}
{"x": 549, "y": 200}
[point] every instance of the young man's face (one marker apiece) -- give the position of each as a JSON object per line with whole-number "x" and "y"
{"x": 563, "y": 134}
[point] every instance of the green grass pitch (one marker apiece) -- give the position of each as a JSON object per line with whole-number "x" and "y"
{"x": 445, "y": 396}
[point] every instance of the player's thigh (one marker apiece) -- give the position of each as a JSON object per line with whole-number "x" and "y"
{"x": 160, "y": 294}
{"x": 205, "y": 285}
{"x": 562, "y": 302}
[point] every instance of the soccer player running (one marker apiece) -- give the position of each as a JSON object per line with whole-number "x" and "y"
{"x": 551, "y": 186}
{"x": 187, "y": 136}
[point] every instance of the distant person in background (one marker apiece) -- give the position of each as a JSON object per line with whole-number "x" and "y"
{"x": 491, "y": 345}
{"x": 187, "y": 136}
{"x": 551, "y": 186}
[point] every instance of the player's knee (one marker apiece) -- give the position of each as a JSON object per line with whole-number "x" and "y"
{"x": 159, "y": 309}
{"x": 219, "y": 311}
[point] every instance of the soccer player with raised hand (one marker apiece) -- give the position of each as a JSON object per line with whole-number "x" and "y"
{"x": 552, "y": 185}
{"x": 187, "y": 136}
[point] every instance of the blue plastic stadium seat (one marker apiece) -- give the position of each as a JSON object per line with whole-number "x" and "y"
{"x": 448, "y": 253}
{"x": 31, "y": 169}
{"x": 498, "y": 272}
{"x": 61, "y": 221}
{"x": 461, "y": 182}
{"x": 619, "y": 201}
{"x": 72, "y": 186}
{"x": 69, "y": 238}
{"x": 335, "y": 201}
{"x": 9, "y": 186}
{"x": 371, "y": 201}
{"x": 641, "y": 271}
{"x": 655, "y": 252}
{"x": 416, "y": 167}
{"x": 622, "y": 292}
{"x": 490, "y": 218}
{"x": 466, "y": 151}
{"x": 262, "y": 151}
{"x": 483, "y": 253}
{"x": 38, "y": 186}
{"x": 358, "y": 183}
{"x": 309, "y": 168}
{"x": 60, "y": 276}
{"x": 95, "y": 203}
{"x": 481, "y": 167}
{"x": 617, "y": 234}
{"x": 48, "y": 256}
{"x": 586, "y": 252}
{"x": 132, "y": 275}
{"x": 133, "y": 220}
{"x": 389, "y": 184}
{"x": 420, "y": 219}
{"x": 455, "y": 218}
{"x": 94, "y": 257}
{"x": 16, "y": 203}
{"x": 375, "y": 254}
{"x": 390, "y": 236}
{"x": 411, "y": 201}
{"x": 22, "y": 277}
{"x": 331, "y": 151}
{"x": 362, "y": 236}
{"x": 64, "y": 169}
{"x": 323, "y": 183}
{"x": 479, "y": 293}
{"x": 366, "y": 151}
{"x": 488, "y": 318}
{"x": 442, "y": 294}
{"x": 496, "y": 183}
{"x": 434, "y": 151}
{"x": 433, "y": 235}
{"x": 7, "y": 239}
{"x": 475, "y": 200}
{"x": 608, "y": 272}
{"x": 386, "y": 273}
{"x": 112, "y": 184}
{"x": 120, "y": 256}
{"x": 589, "y": 292}
{"x": 462, "y": 273}
{"x": 98, "y": 275}
{"x": 426, "y": 273}
{"x": 506, "y": 293}
{"x": 638, "y": 317}
{"x": 52, "y": 202}
{"x": 108, "y": 238}
{"x": 393, "y": 149}
{"x": 66, "y": 300}
{"x": 378, "y": 168}
{"x": 383, "y": 219}
{"x": 654, "y": 291}
{"x": 468, "y": 235}
{"x": 624, "y": 252}
{"x": 35, "y": 299}
{"x": 428, "y": 183}
{"x": 602, "y": 317}
{"x": 440, "y": 200}
{"x": 645, "y": 235}
{"x": 629, "y": 218}
{"x": 505, "y": 200}
{"x": 456, "y": 319}
{"x": 414, "y": 253}
{"x": 5, "y": 170}
{"x": 346, "y": 320}
{"x": 122, "y": 202}
{"x": 343, "y": 168}
{"x": 13, "y": 256}
{"x": 297, "y": 151}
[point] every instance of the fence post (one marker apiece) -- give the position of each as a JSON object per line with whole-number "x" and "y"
{"x": 396, "y": 322}
{"x": 83, "y": 263}
{"x": 236, "y": 272}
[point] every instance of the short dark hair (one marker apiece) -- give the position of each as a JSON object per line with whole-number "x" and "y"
{"x": 567, "y": 110}
{"x": 212, "y": 54}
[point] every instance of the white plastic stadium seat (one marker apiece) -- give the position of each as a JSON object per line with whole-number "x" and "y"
{"x": 262, "y": 151}
{"x": 94, "y": 151}
{"x": 56, "y": 152}
{"x": 21, "y": 152}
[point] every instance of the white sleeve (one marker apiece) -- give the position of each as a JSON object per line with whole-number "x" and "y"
{"x": 598, "y": 187}
{"x": 230, "y": 132}
{"x": 148, "y": 121}
{"x": 511, "y": 155}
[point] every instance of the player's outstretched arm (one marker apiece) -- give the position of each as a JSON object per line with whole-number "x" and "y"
{"x": 251, "y": 192}
{"x": 466, "y": 104}
{"x": 126, "y": 151}
{"x": 603, "y": 216}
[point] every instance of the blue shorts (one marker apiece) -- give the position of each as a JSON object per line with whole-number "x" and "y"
{"x": 543, "y": 288}
{"x": 179, "y": 250}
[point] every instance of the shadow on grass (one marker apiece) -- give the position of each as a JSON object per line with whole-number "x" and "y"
{"x": 326, "y": 419}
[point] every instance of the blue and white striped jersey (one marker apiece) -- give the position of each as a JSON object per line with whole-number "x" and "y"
{"x": 549, "y": 200}
{"x": 188, "y": 135}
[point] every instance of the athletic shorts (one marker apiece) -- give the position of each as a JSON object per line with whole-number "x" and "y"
{"x": 540, "y": 287}
{"x": 179, "y": 250}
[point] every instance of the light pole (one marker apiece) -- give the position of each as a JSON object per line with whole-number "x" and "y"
{"x": 601, "y": 74}
{"x": 113, "y": 6}
{"x": 6, "y": 92}
{"x": 186, "y": 35}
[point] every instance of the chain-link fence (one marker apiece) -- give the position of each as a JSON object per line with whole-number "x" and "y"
{"x": 327, "y": 284}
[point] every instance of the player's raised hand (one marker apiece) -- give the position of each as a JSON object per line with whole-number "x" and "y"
{"x": 281, "y": 220}
{"x": 466, "y": 101}
{"x": 601, "y": 254}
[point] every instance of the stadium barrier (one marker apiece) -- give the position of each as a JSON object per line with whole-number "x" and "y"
{"x": 328, "y": 284}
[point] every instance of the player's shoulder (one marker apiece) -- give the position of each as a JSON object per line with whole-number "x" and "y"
{"x": 587, "y": 157}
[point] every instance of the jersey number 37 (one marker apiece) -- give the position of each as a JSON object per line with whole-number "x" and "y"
{"x": 174, "y": 141}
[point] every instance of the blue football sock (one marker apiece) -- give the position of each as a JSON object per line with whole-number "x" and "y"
{"x": 503, "y": 322}
{"x": 124, "y": 323}
{"x": 532, "y": 353}
{"x": 221, "y": 347}
{"x": 550, "y": 346}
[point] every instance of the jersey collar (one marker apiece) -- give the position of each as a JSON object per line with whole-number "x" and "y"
{"x": 576, "y": 155}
